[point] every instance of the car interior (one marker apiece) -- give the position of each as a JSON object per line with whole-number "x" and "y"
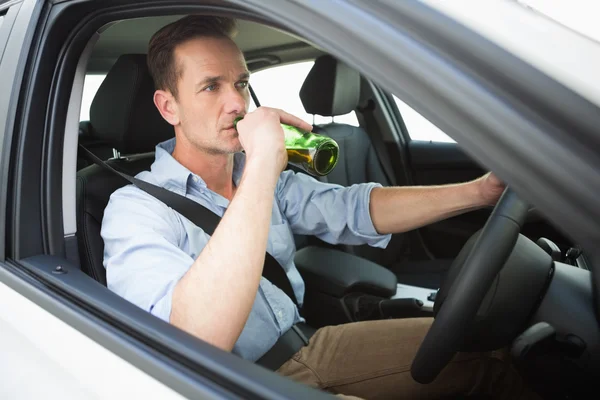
{"x": 125, "y": 126}
{"x": 344, "y": 283}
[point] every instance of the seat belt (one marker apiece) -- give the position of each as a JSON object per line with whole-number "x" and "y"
{"x": 397, "y": 246}
{"x": 201, "y": 217}
{"x": 367, "y": 113}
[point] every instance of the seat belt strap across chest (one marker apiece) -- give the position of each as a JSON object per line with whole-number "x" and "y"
{"x": 367, "y": 114}
{"x": 199, "y": 216}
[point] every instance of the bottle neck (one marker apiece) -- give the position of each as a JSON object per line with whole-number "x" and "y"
{"x": 235, "y": 121}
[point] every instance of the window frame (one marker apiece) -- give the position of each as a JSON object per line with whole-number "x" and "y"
{"x": 92, "y": 97}
{"x": 14, "y": 34}
{"x": 409, "y": 126}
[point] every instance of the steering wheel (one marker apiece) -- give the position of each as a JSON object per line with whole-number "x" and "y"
{"x": 466, "y": 293}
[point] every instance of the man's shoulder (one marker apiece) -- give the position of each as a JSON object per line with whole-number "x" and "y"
{"x": 130, "y": 195}
{"x": 132, "y": 190}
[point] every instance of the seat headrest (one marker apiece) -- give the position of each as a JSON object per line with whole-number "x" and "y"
{"x": 123, "y": 111}
{"x": 331, "y": 88}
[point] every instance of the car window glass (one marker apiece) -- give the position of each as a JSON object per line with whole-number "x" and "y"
{"x": 90, "y": 86}
{"x": 419, "y": 128}
{"x": 280, "y": 87}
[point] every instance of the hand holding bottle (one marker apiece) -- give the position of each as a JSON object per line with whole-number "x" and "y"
{"x": 262, "y": 137}
{"x": 315, "y": 154}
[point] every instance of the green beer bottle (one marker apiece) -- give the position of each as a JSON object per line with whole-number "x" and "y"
{"x": 316, "y": 154}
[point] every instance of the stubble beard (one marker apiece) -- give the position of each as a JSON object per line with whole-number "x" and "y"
{"x": 216, "y": 149}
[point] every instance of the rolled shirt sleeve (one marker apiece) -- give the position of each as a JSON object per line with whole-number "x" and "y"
{"x": 334, "y": 213}
{"x": 142, "y": 250}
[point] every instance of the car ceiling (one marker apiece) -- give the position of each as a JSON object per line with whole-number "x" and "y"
{"x": 262, "y": 45}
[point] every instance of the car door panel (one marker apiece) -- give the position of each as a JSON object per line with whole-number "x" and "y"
{"x": 429, "y": 155}
{"x": 437, "y": 163}
{"x": 102, "y": 315}
{"x": 60, "y": 358}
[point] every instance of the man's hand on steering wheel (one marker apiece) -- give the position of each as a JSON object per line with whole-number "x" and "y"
{"x": 490, "y": 188}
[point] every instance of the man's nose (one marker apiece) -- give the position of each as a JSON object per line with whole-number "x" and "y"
{"x": 235, "y": 101}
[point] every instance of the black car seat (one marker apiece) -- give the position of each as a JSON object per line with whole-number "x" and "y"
{"x": 90, "y": 140}
{"x": 122, "y": 114}
{"x": 331, "y": 89}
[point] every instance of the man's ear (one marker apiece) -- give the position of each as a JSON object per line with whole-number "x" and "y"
{"x": 167, "y": 106}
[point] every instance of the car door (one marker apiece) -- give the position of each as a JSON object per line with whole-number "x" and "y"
{"x": 37, "y": 256}
{"x": 434, "y": 158}
{"x": 51, "y": 345}
{"x": 42, "y": 355}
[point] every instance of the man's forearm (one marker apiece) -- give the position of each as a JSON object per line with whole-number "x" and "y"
{"x": 214, "y": 298}
{"x": 401, "y": 209}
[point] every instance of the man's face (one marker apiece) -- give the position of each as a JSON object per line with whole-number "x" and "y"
{"x": 212, "y": 92}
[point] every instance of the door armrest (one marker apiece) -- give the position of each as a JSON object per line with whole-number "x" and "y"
{"x": 337, "y": 273}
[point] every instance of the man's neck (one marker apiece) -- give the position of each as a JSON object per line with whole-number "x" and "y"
{"x": 215, "y": 169}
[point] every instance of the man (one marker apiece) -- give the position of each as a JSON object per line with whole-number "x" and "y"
{"x": 211, "y": 286}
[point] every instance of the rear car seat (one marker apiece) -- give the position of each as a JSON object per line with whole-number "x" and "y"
{"x": 331, "y": 89}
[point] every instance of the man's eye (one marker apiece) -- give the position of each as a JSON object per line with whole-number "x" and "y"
{"x": 243, "y": 84}
{"x": 210, "y": 88}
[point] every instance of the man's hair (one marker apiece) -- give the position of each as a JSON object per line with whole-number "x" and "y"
{"x": 161, "y": 49}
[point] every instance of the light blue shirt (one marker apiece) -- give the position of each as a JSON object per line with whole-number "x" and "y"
{"x": 148, "y": 247}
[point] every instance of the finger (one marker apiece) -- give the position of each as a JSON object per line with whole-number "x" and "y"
{"x": 290, "y": 119}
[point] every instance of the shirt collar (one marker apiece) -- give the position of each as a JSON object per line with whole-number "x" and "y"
{"x": 174, "y": 176}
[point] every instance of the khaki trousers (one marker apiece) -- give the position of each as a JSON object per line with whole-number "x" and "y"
{"x": 372, "y": 360}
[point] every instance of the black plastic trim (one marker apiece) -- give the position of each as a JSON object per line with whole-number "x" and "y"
{"x": 19, "y": 39}
{"x": 396, "y": 125}
{"x": 426, "y": 155}
{"x": 337, "y": 273}
{"x": 9, "y": 15}
{"x": 459, "y": 299}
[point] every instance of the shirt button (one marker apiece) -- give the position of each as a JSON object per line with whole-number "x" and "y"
{"x": 280, "y": 314}
{"x": 195, "y": 179}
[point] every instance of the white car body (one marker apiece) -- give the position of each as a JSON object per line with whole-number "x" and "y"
{"x": 42, "y": 356}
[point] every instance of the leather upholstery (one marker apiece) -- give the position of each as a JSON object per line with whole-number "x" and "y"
{"x": 94, "y": 187}
{"x": 123, "y": 111}
{"x": 322, "y": 94}
{"x": 337, "y": 273}
{"x": 358, "y": 163}
{"x": 122, "y": 114}
{"x": 331, "y": 88}
{"x": 87, "y": 138}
